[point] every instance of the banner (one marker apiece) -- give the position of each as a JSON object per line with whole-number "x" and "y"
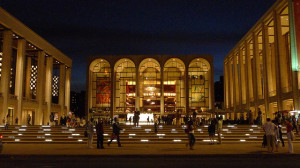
{"x": 103, "y": 92}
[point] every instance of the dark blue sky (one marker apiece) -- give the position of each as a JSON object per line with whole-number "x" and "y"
{"x": 80, "y": 28}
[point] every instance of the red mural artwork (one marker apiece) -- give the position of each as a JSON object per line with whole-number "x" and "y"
{"x": 103, "y": 92}
{"x": 297, "y": 23}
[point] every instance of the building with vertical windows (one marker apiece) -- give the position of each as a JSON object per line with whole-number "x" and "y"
{"x": 34, "y": 76}
{"x": 152, "y": 84}
{"x": 262, "y": 70}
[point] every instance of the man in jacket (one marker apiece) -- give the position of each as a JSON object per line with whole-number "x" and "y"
{"x": 116, "y": 132}
{"x": 100, "y": 132}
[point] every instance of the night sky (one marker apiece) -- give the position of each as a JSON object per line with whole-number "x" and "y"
{"x": 80, "y": 28}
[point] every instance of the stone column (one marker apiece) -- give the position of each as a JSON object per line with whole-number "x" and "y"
{"x": 235, "y": 86}
{"x": 40, "y": 87}
{"x": 265, "y": 43}
{"x": 19, "y": 76}
{"x": 5, "y": 74}
{"x": 228, "y": 82}
{"x": 247, "y": 75}
{"x": 225, "y": 89}
{"x": 62, "y": 79}
{"x": 277, "y": 32}
{"x": 162, "y": 98}
{"x": 255, "y": 73}
{"x": 68, "y": 88}
{"x": 48, "y": 87}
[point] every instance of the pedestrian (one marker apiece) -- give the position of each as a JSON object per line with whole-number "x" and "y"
{"x": 277, "y": 137}
{"x": 148, "y": 120}
{"x": 155, "y": 123}
{"x": 28, "y": 119}
{"x": 192, "y": 138}
{"x": 90, "y": 131}
{"x": 100, "y": 132}
{"x": 294, "y": 121}
{"x": 116, "y": 132}
{"x": 290, "y": 134}
{"x": 16, "y": 121}
{"x": 219, "y": 128}
{"x": 280, "y": 133}
{"x": 269, "y": 129}
{"x": 130, "y": 120}
{"x": 212, "y": 131}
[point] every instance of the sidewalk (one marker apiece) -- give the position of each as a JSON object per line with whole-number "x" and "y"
{"x": 141, "y": 149}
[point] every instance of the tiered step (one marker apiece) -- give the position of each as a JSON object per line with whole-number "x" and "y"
{"x": 130, "y": 134}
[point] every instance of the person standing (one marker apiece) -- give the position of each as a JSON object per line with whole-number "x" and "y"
{"x": 148, "y": 120}
{"x": 116, "y": 132}
{"x": 212, "y": 131}
{"x": 192, "y": 138}
{"x": 90, "y": 131}
{"x": 269, "y": 128}
{"x": 155, "y": 123}
{"x": 16, "y": 121}
{"x": 219, "y": 127}
{"x": 289, "y": 129}
{"x": 100, "y": 132}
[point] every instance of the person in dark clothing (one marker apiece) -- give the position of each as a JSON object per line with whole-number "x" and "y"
{"x": 100, "y": 132}
{"x": 116, "y": 132}
{"x": 280, "y": 133}
{"x": 212, "y": 131}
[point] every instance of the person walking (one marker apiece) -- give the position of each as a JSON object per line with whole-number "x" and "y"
{"x": 90, "y": 131}
{"x": 219, "y": 128}
{"x": 100, "y": 132}
{"x": 192, "y": 138}
{"x": 116, "y": 132}
{"x": 212, "y": 131}
{"x": 289, "y": 131}
{"x": 269, "y": 128}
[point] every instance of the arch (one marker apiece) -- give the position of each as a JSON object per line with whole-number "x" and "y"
{"x": 195, "y": 63}
{"x": 149, "y": 62}
{"x": 125, "y": 86}
{"x": 174, "y": 86}
{"x": 100, "y": 85}
{"x": 199, "y": 83}
{"x": 178, "y": 64}
{"x": 97, "y": 63}
{"x": 119, "y": 65}
{"x": 150, "y": 85}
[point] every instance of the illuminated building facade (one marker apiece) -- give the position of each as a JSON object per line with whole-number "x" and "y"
{"x": 261, "y": 71}
{"x": 158, "y": 84}
{"x": 34, "y": 75}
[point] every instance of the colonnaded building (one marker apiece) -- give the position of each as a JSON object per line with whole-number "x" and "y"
{"x": 152, "y": 84}
{"x": 262, "y": 70}
{"x": 34, "y": 75}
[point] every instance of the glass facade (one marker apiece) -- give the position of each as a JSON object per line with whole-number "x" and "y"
{"x": 152, "y": 85}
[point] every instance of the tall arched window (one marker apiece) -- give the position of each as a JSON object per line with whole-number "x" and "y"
{"x": 150, "y": 86}
{"x": 125, "y": 86}
{"x": 101, "y": 86}
{"x": 199, "y": 76}
{"x": 174, "y": 89}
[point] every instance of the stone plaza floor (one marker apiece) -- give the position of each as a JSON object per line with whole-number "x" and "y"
{"x": 143, "y": 149}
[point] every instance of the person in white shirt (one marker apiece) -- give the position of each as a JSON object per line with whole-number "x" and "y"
{"x": 270, "y": 128}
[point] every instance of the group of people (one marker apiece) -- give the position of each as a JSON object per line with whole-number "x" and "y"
{"x": 100, "y": 131}
{"x": 273, "y": 135}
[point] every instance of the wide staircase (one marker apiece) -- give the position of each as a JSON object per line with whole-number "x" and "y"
{"x": 132, "y": 135}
